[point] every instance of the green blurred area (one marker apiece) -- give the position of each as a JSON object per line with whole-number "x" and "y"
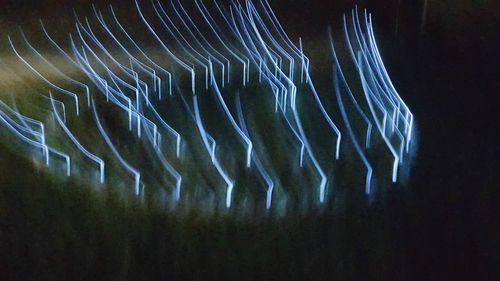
{"x": 61, "y": 230}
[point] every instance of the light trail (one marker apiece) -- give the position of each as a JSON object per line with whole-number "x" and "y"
{"x": 133, "y": 171}
{"x": 232, "y": 50}
{"x": 75, "y": 141}
{"x": 59, "y": 89}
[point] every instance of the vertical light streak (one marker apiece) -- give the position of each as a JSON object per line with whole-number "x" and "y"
{"x": 130, "y": 169}
{"x": 210, "y": 149}
{"x": 89, "y": 155}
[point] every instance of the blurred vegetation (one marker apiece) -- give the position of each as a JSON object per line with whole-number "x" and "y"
{"x": 63, "y": 231}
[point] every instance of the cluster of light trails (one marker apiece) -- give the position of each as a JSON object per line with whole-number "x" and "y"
{"x": 390, "y": 114}
{"x": 190, "y": 105}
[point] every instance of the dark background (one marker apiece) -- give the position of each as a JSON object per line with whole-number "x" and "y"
{"x": 445, "y": 225}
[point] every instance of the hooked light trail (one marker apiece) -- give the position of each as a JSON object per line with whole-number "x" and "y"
{"x": 212, "y": 103}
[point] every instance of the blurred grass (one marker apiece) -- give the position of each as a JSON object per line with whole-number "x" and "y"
{"x": 53, "y": 230}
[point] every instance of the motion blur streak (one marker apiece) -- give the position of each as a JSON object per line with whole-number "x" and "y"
{"x": 213, "y": 98}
